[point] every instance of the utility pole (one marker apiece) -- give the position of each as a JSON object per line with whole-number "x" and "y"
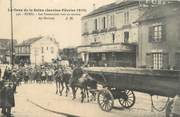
{"x": 12, "y": 45}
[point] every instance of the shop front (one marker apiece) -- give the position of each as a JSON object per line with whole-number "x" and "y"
{"x": 110, "y": 55}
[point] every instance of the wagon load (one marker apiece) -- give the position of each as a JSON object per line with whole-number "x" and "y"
{"x": 121, "y": 82}
{"x": 155, "y": 82}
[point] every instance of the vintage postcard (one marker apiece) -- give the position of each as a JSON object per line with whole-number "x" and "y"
{"x": 90, "y": 58}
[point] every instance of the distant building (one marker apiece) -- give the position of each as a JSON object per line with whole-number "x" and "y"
{"x": 5, "y": 49}
{"x": 109, "y": 36}
{"x": 69, "y": 54}
{"x": 159, "y": 38}
{"x": 37, "y": 50}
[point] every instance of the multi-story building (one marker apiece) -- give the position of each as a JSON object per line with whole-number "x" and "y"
{"x": 159, "y": 37}
{"x": 5, "y": 50}
{"x": 37, "y": 50}
{"x": 109, "y": 35}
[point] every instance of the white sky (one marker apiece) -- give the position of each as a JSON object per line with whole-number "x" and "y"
{"x": 67, "y": 33}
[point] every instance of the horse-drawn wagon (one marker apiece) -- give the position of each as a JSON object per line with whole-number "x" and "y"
{"x": 119, "y": 83}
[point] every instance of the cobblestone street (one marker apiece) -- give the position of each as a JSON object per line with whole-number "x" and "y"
{"x": 37, "y": 100}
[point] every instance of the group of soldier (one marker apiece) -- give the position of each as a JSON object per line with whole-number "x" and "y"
{"x": 38, "y": 74}
{"x": 13, "y": 76}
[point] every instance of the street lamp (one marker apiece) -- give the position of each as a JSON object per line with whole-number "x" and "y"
{"x": 11, "y": 52}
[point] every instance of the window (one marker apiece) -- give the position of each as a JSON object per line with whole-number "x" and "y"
{"x": 42, "y": 49}
{"x": 99, "y": 22}
{"x": 157, "y": 60}
{"x": 103, "y": 56}
{"x": 42, "y": 59}
{"x": 85, "y": 27}
{"x": 95, "y": 24}
{"x": 112, "y": 21}
{"x": 126, "y": 37}
{"x": 52, "y": 50}
{"x": 95, "y": 39}
{"x": 113, "y": 37}
{"x": 126, "y": 17}
{"x": 28, "y": 49}
{"x": 104, "y": 22}
{"x": 177, "y": 61}
{"x": 157, "y": 33}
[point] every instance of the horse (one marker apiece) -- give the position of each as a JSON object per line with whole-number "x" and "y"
{"x": 62, "y": 76}
{"x": 66, "y": 75}
{"x": 82, "y": 80}
{"x": 58, "y": 79}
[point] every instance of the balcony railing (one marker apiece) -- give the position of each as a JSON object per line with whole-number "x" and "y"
{"x": 95, "y": 32}
{"x": 112, "y": 29}
{"x": 95, "y": 43}
{"x": 103, "y": 30}
{"x": 85, "y": 33}
{"x": 126, "y": 26}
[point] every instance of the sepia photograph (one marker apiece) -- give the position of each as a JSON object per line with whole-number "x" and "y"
{"x": 90, "y": 58}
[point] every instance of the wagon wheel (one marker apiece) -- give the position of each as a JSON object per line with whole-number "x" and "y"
{"x": 105, "y": 100}
{"x": 169, "y": 109}
{"x": 128, "y": 99}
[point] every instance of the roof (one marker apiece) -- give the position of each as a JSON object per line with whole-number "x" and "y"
{"x": 111, "y": 6}
{"x": 31, "y": 40}
{"x": 160, "y": 12}
{"x": 34, "y": 39}
{"x": 5, "y": 43}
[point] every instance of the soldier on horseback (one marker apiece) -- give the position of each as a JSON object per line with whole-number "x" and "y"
{"x": 58, "y": 78}
{"x": 76, "y": 74}
{"x": 80, "y": 79}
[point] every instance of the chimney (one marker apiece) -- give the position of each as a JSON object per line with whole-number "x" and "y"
{"x": 94, "y": 6}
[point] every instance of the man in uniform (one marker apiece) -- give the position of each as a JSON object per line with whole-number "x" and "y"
{"x": 76, "y": 74}
{"x": 7, "y": 98}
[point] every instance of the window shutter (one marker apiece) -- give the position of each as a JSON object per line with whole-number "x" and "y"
{"x": 177, "y": 63}
{"x": 151, "y": 34}
{"x": 149, "y": 60}
{"x": 165, "y": 61}
{"x": 163, "y": 32}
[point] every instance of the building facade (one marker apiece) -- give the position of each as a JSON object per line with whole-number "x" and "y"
{"x": 109, "y": 35}
{"x": 159, "y": 38}
{"x": 37, "y": 50}
{"x": 5, "y": 50}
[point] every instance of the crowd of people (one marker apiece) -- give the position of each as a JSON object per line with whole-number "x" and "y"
{"x": 32, "y": 74}
{"x": 11, "y": 77}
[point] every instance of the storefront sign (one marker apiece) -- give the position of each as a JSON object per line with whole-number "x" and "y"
{"x": 106, "y": 48}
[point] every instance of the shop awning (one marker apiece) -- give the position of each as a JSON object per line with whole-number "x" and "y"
{"x": 115, "y": 47}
